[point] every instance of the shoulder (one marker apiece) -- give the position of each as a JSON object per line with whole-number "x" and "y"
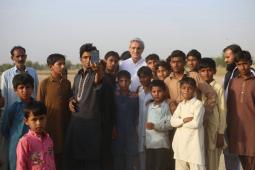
{"x": 8, "y": 72}
{"x": 197, "y": 103}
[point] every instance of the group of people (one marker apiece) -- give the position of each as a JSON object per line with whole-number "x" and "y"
{"x": 129, "y": 113}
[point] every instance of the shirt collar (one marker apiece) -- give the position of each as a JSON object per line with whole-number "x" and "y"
{"x": 32, "y": 133}
{"x": 18, "y": 71}
{"x": 251, "y": 76}
{"x": 172, "y": 75}
{"x": 191, "y": 101}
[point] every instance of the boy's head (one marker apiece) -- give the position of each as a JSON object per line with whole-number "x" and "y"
{"x": 188, "y": 87}
{"x": 35, "y": 116}
{"x": 125, "y": 55}
{"x": 124, "y": 80}
{"x": 177, "y": 61}
{"x": 19, "y": 56}
{"x": 243, "y": 61}
{"x": 23, "y": 85}
{"x": 145, "y": 75}
{"x": 111, "y": 61}
{"x": 158, "y": 91}
{"x": 162, "y": 70}
{"x": 193, "y": 59}
{"x": 207, "y": 68}
{"x": 151, "y": 61}
{"x": 85, "y": 54}
{"x": 56, "y": 62}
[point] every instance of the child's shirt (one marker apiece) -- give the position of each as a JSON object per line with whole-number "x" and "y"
{"x": 127, "y": 108}
{"x": 35, "y": 152}
{"x": 144, "y": 98}
{"x": 160, "y": 116}
{"x": 188, "y": 142}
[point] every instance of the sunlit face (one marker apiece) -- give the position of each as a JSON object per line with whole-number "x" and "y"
{"x": 207, "y": 74}
{"x": 58, "y": 67}
{"x": 124, "y": 83}
{"x": 145, "y": 80}
{"x": 152, "y": 65}
{"x": 229, "y": 57}
{"x": 36, "y": 123}
{"x": 187, "y": 91}
{"x": 158, "y": 94}
{"x": 192, "y": 63}
{"x": 162, "y": 73}
{"x": 244, "y": 67}
{"x": 177, "y": 64}
{"x": 135, "y": 50}
{"x": 85, "y": 59}
{"x": 24, "y": 92}
{"x": 19, "y": 58}
{"x": 112, "y": 64}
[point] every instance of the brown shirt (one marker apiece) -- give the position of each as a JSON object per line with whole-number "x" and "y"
{"x": 241, "y": 116}
{"x": 55, "y": 95}
{"x": 173, "y": 85}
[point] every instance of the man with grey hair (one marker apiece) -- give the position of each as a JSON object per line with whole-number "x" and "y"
{"x": 136, "y": 61}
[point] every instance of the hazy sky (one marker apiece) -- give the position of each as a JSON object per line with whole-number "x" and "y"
{"x": 62, "y": 26}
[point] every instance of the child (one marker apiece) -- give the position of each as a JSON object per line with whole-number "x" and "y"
{"x": 193, "y": 58}
{"x": 111, "y": 60}
{"x": 216, "y": 122}
{"x": 240, "y": 112}
{"x": 125, "y": 144}
{"x": 35, "y": 148}
{"x": 13, "y": 127}
{"x": 162, "y": 70}
{"x": 157, "y": 128}
{"x": 55, "y": 92}
{"x": 145, "y": 76}
{"x": 188, "y": 142}
{"x": 151, "y": 61}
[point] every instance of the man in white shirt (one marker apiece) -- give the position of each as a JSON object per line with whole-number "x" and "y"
{"x": 136, "y": 61}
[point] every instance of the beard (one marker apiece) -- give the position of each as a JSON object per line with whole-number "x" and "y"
{"x": 230, "y": 67}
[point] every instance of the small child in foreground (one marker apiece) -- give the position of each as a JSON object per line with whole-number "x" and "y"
{"x": 35, "y": 148}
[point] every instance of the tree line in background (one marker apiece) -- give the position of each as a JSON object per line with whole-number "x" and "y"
{"x": 70, "y": 65}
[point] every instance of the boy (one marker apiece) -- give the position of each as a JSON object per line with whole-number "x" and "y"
{"x": 240, "y": 111}
{"x": 162, "y": 70}
{"x": 13, "y": 126}
{"x": 193, "y": 58}
{"x": 55, "y": 92}
{"x": 127, "y": 108}
{"x": 30, "y": 153}
{"x": 157, "y": 128}
{"x": 188, "y": 142}
{"x": 145, "y": 76}
{"x": 151, "y": 61}
{"x": 111, "y": 60}
{"x": 216, "y": 123}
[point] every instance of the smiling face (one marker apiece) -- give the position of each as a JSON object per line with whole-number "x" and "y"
{"x": 19, "y": 58}
{"x": 162, "y": 73}
{"x": 136, "y": 50}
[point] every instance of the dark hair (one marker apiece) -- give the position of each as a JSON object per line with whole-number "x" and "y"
{"x": 112, "y": 53}
{"x": 158, "y": 83}
{"x": 35, "y": 107}
{"x": 188, "y": 80}
{"x": 243, "y": 55}
{"x": 152, "y": 57}
{"x": 233, "y": 47}
{"x": 88, "y": 47}
{"x": 194, "y": 53}
{"x": 123, "y": 73}
{"x": 125, "y": 55}
{"x": 17, "y": 48}
{"x": 207, "y": 62}
{"x": 176, "y": 53}
{"x": 53, "y": 58}
{"x": 145, "y": 71}
{"x": 163, "y": 64}
{"x": 22, "y": 79}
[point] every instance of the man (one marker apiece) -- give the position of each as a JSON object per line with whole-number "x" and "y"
{"x": 136, "y": 61}
{"x": 18, "y": 56}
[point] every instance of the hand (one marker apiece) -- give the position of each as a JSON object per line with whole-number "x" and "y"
{"x": 149, "y": 126}
{"x": 220, "y": 141}
{"x": 99, "y": 72}
{"x": 73, "y": 105}
{"x": 187, "y": 119}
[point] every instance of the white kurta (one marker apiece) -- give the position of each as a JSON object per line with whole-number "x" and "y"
{"x": 188, "y": 142}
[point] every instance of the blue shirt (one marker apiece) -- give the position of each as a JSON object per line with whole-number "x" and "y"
{"x": 7, "y": 87}
{"x": 13, "y": 128}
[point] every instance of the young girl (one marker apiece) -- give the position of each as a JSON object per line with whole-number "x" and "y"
{"x": 35, "y": 148}
{"x": 188, "y": 142}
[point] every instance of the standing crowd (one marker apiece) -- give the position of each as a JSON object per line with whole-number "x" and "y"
{"x": 128, "y": 112}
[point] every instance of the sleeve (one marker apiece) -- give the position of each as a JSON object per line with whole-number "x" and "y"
{"x": 164, "y": 124}
{"x": 198, "y": 117}
{"x": 22, "y": 155}
{"x": 222, "y": 111}
{"x": 7, "y": 120}
{"x": 176, "y": 120}
{"x": 4, "y": 88}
